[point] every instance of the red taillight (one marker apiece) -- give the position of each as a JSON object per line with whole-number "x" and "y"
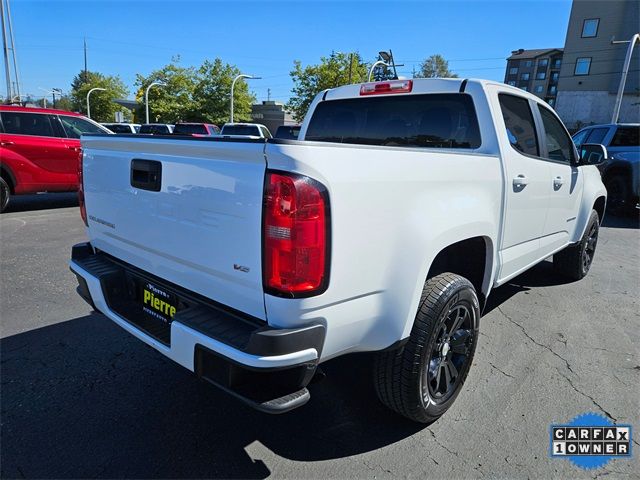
{"x": 295, "y": 230}
{"x": 381, "y": 88}
{"x": 83, "y": 208}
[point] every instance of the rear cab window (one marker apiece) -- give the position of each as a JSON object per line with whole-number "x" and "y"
{"x": 190, "y": 129}
{"x": 243, "y": 130}
{"x": 426, "y": 121}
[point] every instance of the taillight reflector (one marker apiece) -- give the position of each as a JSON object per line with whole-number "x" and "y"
{"x": 295, "y": 232}
{"x": 382, "y": 88}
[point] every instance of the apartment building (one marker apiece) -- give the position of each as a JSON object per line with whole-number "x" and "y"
{"x": 592, "y": 64}
{"x": 536, "y": 71}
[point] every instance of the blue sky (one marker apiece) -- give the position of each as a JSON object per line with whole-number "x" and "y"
{"x": 265, "y": 37}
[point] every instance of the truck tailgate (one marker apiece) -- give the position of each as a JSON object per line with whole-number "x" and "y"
{"x": 198, "y": 226}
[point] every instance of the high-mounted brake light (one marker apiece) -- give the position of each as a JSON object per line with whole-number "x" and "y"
{"x": 382, "y": 88}
{"x": 295, "y": 233}
{"x": 83, "y": 208}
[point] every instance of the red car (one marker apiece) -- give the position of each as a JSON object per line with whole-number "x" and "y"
{"x": 39, "y": 150}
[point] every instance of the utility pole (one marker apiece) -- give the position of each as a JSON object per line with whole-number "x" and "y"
{"x": 86, "y": 79}
{"x": 13, "y": 50}
{"x": 5, "y": 50}
{"x": 350, "y": 66}
{"x": 268, "y": 94}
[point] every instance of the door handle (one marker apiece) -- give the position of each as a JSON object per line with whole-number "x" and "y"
{"x": 75, "y": 149}
{"x": 520, "y": 181}
{"x": 5, "y": 143}
{"x": 558, "y": 181}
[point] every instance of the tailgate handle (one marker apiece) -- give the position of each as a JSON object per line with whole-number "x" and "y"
{"x": 146, "y": 174}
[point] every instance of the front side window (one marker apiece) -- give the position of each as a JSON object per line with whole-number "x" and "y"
{"x": 580, "y": 137}
{"x": 626, "y": 137}
{"x": 590, "y": 27}
{"x": 583, "y": 65}
{"x": 541, "y": 75}
{"x": 76, "y": 126}
{"x": 35, "y": 124}
{"x": 427, "y": 120}
{"x": 597, "y": 135}
{"x": 513, "y": 71}
{"x": 559, "y": 143}
{"x": 518, "y": 120}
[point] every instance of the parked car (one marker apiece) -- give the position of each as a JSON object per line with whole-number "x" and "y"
{"x": 382, "y": 229}
{"x": 156, "y": 129}
{"x": 288, "y": 132}
{"x": 123, "y": 127}
{"x": 621, "y": 170}
{"x": 253, "y": 130}
{"x": 39, "y": 150}
{"x": 196, "y": 129}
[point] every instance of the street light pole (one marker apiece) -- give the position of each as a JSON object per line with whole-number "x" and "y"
{"x": 88, "y": 104}
{"x": 623, "y": 79}
{"x": 238, "y": 77}
{"x": 146, "y": 97}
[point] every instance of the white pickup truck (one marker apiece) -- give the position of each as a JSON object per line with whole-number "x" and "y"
{"x": 382, "y": 229}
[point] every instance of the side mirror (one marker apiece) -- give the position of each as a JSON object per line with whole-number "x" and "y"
{"x": 592, "y": 154}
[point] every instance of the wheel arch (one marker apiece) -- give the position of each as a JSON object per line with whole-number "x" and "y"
{"x": 9, "y": 177}
{"x": 471, "y": 258}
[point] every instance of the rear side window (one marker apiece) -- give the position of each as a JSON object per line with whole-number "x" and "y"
{"x": 75, "y": 126}
{"x": 626, "y": 137}
{"x": 429, "y": 120}
{"x": 27, "y": 124}
{"x": 559, "y": 144}
{"x": 597, "y": 135}
{"x": 518, "y": 121}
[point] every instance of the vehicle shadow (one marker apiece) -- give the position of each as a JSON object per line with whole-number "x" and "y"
{"x": 84, "y": 399}
{"x": 540, "y": 275}
{"x": 42, "y": 201}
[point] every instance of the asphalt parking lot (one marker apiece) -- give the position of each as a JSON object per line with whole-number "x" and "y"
{"x": 80, "y": 398}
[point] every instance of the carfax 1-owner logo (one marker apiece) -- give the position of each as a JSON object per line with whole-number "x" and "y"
{"x": 590, "y": 441}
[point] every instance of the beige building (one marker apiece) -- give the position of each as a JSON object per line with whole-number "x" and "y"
{"x": 536, "y": 71}
{"x": 592, "y": 66}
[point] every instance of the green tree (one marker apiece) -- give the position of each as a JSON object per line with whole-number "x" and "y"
{"x": 212, "y": 94}
{"x": 66, "y": 103}
{"x": 435, "y": 66}
{"x": 170, "y": 103}
{"x": 331, "y": 72}
{"x": 103, "y": 107}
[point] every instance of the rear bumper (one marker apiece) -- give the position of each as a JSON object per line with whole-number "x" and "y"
{"x": 265, "y": 367}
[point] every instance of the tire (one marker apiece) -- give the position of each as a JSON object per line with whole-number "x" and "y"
{"x": 416, "y": 380}
{"x": 575, "y": 261}
{"x": 618, "y": 196}
{"x": 5, "y": 194}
